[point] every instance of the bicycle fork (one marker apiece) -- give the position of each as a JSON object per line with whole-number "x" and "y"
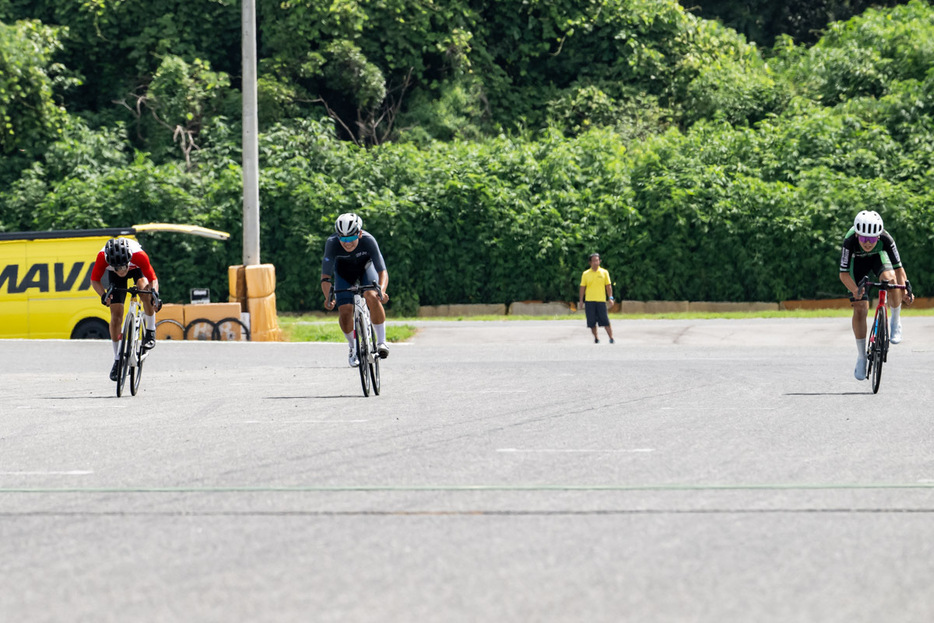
{"x": 137, "y": 355}
{"x": 364, "y": 313}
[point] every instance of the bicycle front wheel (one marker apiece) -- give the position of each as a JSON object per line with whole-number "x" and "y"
{"x": 881, "y": 334}
{"x": 374, "y": 360}
{"x": 361, "y": 341}
{"x": 126, "y": 352}
{"x": 136, "y": 370}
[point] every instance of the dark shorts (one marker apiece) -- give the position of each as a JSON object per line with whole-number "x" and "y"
{"x": 596, "y": 314}
{"x": 874, "y": 265}
{"x": 118, "y": 282}
{"x": 369, "y": 276}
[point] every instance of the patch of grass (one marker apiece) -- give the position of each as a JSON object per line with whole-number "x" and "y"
{"x": 313, "y": 329}
{"x": 318, "y": 328}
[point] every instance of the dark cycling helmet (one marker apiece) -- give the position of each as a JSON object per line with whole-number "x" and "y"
{"x": 117, "y": 252}
{"x": 868, "y": 223}
{"x": 348, "y": 224}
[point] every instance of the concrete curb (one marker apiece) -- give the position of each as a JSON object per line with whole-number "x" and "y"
{"x": 435, "y": 311}
{"x": 559, "y": 308}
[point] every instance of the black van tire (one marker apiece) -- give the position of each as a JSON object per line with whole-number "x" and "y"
{"x": 91, "y": 329}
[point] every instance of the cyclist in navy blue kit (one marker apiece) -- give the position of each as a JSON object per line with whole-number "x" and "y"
{"x": 869, "y": 248}
{"x": 352, "y": 256}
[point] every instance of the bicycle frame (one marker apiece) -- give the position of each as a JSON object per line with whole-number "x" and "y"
{"x": 877, "y": 346}
{"x": 361, "y": 309}
{"x": 135, "y": 312}
{"x": 364, "y": 338}
{"x": 132, "y": 354}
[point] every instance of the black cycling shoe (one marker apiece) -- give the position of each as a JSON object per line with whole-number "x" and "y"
{"x": 115, "y": 371}
{"x": 149, "y": 340}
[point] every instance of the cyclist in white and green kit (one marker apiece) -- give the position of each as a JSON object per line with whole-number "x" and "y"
{"x": 869, "y": 249}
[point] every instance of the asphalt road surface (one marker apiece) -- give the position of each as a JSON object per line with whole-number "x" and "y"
{"x": 719, "y": 470}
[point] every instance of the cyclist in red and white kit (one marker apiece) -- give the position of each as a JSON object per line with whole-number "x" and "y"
{"x": 123, "y": 259}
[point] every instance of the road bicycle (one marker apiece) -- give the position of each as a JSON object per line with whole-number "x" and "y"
{"x": 132, "y": 354}
{"x": 877, "y": 346}
{"x": 364, "y": 338}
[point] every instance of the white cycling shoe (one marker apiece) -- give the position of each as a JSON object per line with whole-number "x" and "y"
{"x": 382, "y": 350}
{"x": 860, "y": 371}
{"x": 352, "y": 359}
{"x": 896, "y": 333}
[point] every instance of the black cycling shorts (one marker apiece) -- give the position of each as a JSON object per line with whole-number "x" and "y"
{"x": 369, "y": 276}
{"x": 874, "y": 265}
{"x": 118, "y": 282}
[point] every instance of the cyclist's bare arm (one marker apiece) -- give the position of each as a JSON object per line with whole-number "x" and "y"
{"x": 850, "y": 284}
{"x": 901, "y": 278}
{"x": 104, "y": 293}
{"x": 383, "y": 284}
{"x": 326, "y": 286}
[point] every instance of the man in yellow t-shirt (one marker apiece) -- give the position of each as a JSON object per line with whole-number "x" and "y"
{"x": 594, "y": 292}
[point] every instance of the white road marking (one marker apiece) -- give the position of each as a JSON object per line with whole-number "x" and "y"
{"x": 717, "y": 408}
{"x": 489, "y": 391}
{"x": 577, "y": 451}
{"x": 305, "y": 421}
{"x": 75, "y": 472}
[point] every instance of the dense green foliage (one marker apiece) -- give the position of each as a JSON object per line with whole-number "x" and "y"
{"x": 764, "y": 21}
{"x": 490, "y": 146}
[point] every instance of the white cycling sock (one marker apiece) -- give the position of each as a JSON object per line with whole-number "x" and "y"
{"x": 349, "y": 337}
{"x": 380, "y": 332}
{"x": 896, "y": 314}
{"x": 150, "y": 322}
{"x": 116, "y": 350}
{"x": 861, "y": 347}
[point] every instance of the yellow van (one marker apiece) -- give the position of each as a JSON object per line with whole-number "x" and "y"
{"x": 45, "y": 280}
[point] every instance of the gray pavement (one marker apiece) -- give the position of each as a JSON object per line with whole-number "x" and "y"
{"x": 718, "y": 470}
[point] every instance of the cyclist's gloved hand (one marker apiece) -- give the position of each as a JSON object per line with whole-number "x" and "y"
{"x": 861, "y": 287}
{"x": 105, "y": 298}
{"x": 156, "y": 301}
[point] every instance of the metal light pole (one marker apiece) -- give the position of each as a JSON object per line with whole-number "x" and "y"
{"x": 250, "y": 138}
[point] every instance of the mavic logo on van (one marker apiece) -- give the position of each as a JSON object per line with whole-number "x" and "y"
{"x": 57, "y": 277}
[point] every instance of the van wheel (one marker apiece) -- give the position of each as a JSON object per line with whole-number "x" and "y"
{"x": 91, "y": 329}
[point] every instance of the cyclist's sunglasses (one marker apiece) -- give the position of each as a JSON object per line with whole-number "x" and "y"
{"x": 120, "y": 267}
{"x": 869, "y": 239}
{"x": 348, "y": 238}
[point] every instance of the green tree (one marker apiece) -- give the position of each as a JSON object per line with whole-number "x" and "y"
{"x": 765, "y": 21}
{"x": 115, "y": 45}
{"x": 30, "y": 79}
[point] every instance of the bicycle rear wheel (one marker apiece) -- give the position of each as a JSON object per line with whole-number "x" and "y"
{"x": 374, "y": 363}
{"x": 881, "y": 336}
{"x": 136, "y": 371}
{"x": 126, "y": 346}
{"x": 360, "y": 338}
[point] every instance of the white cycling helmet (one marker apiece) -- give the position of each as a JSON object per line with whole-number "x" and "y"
{"x": 868, "y": 223}
{"x": 348, "y": 224}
